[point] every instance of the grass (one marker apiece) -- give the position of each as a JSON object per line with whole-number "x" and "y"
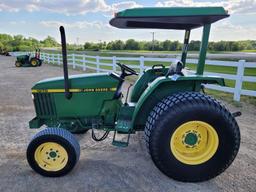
{"x": 232, "y": 71}
{"x": 249, "y": 51}
{"x": 228, "y": 97}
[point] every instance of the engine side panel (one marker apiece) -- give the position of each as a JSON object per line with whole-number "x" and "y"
{"x": 90, "y": 95}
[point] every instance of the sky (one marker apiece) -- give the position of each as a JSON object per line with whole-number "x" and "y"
{"x": 88, "y": 20}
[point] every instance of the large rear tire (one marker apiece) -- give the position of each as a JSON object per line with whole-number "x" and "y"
{"x": 34, "y": 62}
{"x": 53, "y": 152}
{"x": 191, "y": 137}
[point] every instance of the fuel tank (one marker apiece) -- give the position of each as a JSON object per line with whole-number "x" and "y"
{"x": 89, "y": 92}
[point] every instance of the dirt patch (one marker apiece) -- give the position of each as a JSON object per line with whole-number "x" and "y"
{"x": 102, "y": 167}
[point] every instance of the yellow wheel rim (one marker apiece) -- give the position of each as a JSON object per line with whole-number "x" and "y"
{"x": 51, "y": 156}
{"x": 194, "y": 142}
{"x": 33, "y": 62}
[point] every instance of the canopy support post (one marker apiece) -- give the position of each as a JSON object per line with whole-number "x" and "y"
{"x": 185, "y": 47}
{"x": 203, "y": 49}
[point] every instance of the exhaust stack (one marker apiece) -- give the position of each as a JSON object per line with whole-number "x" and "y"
{"x": 68, "y": 94}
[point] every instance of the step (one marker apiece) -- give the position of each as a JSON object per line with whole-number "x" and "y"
{"x": 119, "y": 143}
{"x": 123, "y": 126}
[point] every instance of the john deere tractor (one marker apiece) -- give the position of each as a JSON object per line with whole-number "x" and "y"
{"x": 28, "y": 60}
{"x": 190, "y": 136}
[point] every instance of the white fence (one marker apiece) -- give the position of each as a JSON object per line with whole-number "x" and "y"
{"x": 108, "y": 64}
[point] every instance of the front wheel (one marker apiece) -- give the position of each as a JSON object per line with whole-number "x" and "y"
{"x": 18, "y": 64}
{"x": 53, "y": 152}
{"x": 191, "y": 137}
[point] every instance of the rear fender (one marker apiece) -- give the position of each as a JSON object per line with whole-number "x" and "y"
{"x": 162, "y": 87}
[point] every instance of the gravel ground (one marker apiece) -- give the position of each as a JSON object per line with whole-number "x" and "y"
{"x": 102, "y": 167}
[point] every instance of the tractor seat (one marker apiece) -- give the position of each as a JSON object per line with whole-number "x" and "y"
{"x": 175, "y": 68}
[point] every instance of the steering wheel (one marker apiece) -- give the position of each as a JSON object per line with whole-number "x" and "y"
{"x": 125, "y": 68}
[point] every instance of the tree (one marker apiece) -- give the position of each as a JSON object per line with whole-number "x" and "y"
{"x": 194, "y": 45}
{"x": 175, "y": 46}
{"x": 87, "y": 45}
{"x": 131, "y": 44}
{"x": 4, "y": 38}
{"x": 50, "y": 42}
{"x": 117, "y": 45}
{"x": 20, "y": 43}
{"x": 166, "y": 45}
{"x": 1, "y": 47}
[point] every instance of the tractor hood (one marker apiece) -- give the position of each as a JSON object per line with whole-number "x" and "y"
{"x": 93, "y": 80}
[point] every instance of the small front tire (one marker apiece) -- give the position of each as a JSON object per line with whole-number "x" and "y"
{"x": 53, "y": 152}
{"x": 18, "y": 64}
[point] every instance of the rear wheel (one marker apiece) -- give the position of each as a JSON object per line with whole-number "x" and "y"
{"x": 191, "y": 137}
{"x": 34, "y": 62}
{"x": 17, "y": 63}
{"x": 53, "y": 152}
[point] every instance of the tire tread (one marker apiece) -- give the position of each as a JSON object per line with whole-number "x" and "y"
{"x": 170, "y": 103}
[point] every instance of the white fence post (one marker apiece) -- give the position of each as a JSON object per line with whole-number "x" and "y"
{"x": 53, "y": 58}
{"x": 42, "y": 56}
{"x": 58, "y": 59}
{"x": 73, "y": 61}
{"x": 114, "y": 63}
{"x": 239, "y": 80}
{"x": 98, "y": 63}
{"x": 84, "y": 64}
{"x": 48, "y": 58}
{"x": 141, "y": 65}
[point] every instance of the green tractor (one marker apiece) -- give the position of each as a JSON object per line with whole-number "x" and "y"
{"x": 28, "y": 60}
{"x": 190, "y": 136}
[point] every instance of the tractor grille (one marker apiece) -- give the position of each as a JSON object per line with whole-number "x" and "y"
{"x": 44, "y": 104}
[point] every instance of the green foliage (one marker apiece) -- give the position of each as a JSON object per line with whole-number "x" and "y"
{"x": 20, "y": 43}
{"x": 94, "y": 46}
{"x": 50, "y": 42}
{"x": 194, "y": 45}
{"x": 131, "y": 44}
{"x": 168, "y": 45}
{"x": 75, "y": 47}
{"x": 116, "y": 45}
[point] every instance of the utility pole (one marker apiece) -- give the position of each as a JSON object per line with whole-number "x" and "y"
{"x": 153, "y": 41}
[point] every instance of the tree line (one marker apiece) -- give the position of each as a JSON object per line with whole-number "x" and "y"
{"x": 168, "y": 45}
{"x": 20, "y": 43}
